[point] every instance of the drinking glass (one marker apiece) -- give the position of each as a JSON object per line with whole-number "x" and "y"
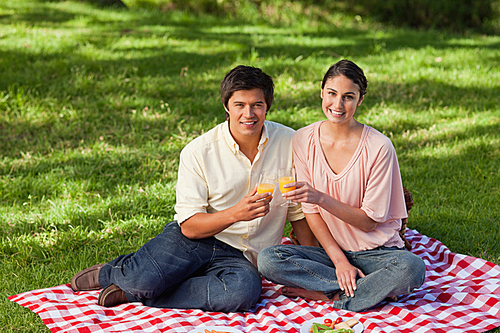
{"x": 267, "y": 182}
{"x": 286, "y": 176}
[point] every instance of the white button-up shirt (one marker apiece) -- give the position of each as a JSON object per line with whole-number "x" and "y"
{"x": 215, "y": 175}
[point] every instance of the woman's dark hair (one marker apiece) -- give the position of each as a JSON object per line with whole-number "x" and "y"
{"x": 351, "y": 71}
{"x": 246, "y": 78}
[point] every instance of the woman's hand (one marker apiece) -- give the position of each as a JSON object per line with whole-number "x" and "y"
{"x": 351, "y": 215}
{"x": 303, "y": 193}
{"x": 346, "y": 277}
{"x": 345, "y": 272}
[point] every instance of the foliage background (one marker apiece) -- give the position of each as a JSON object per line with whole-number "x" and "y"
{"x": 97, "y": 102}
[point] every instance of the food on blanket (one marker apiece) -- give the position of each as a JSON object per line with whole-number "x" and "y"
{"x": 215, "y": 329}
{"x": 319, "y": 328}
{"x": 351, "y": 322}
{"x": 344, "y": 325}
{"x": 337, "y": 326}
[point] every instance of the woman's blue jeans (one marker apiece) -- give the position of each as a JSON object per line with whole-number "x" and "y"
{"x": 172, "y": 271}
{"x": 388, "y": 272}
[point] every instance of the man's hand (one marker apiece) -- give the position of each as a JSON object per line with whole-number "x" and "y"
{"x": 251, "y": 206}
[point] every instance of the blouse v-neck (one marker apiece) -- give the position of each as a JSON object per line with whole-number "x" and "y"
{"x": 353, "y": 158}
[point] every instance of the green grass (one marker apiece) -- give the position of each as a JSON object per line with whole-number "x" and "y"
{"x": 95, "y": 106}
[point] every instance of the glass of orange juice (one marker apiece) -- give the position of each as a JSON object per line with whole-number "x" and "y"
{"x": 286, "y": 176}
{"x": 267, "y": 182}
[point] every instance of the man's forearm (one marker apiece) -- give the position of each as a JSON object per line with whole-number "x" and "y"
{"x": 203, "y": 225}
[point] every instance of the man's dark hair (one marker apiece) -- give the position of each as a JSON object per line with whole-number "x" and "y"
{"x": 351, "y": 71}
{"x": 246, "y": 78}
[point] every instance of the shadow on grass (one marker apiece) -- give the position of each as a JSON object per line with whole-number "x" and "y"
{"x": 85, "y": 177}
{"x": 120, "y": 216}
{"x": 123, "y": 102}
{"x": 455, "y": 198}
{"x": 42, "y": 14}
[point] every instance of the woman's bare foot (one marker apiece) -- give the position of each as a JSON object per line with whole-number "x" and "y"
{"x": 313, "y": 295}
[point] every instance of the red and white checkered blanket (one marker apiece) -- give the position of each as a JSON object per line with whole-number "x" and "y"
{"x": 460, "y": 294}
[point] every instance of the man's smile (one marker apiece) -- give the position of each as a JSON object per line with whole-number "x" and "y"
{"x": 248, "y": 123}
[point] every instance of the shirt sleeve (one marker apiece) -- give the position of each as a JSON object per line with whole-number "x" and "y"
{"x": 295, "y": 213}
{"x": 301, "y": 142}
{"x": 191, "y": 188}
{"x": 384, "y": 197}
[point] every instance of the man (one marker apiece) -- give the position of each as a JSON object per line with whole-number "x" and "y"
{"x": 206, "y": 258}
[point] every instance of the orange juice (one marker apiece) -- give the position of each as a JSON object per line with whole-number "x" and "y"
{"x": 265, "y": 188}
{"x": 286, "y": 180}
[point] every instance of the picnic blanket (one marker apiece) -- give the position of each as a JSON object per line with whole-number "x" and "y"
{"x": 460, "y": 294}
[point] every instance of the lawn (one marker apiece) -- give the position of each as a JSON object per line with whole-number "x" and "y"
{"x": 96, "y": 104}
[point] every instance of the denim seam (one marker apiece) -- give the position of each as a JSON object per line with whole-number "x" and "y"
{"x": 188, "y": 248}
{"x": 209, "y": 301}
{"x": 212, "y": 258}
{"x": 155, "y": 264}
{"x": 304, "y": 268}
{"x": 338, "y": 304}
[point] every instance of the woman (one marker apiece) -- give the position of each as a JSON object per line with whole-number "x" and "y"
{"x": 349, "y": 184}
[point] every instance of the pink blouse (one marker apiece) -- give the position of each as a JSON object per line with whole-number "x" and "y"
{"x": 370, "y": 181}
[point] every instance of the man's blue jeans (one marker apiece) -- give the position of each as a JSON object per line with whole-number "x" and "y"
{"x": 388, "y": 272}
{"x": 172, "y": 271}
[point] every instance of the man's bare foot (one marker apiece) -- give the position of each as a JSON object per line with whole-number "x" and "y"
{"x": 313, "y": 295}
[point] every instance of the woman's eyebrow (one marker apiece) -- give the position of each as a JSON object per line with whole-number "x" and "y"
{"x": 347, "y": 93}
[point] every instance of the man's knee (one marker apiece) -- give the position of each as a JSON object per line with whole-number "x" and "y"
{"x": 142, "y": 279}
{"x": 246, "y": 297}
{"x": 242, "y": 292}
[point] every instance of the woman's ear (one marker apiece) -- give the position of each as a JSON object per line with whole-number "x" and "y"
{"x": 361, "y": 100}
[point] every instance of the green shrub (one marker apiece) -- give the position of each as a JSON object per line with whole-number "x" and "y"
{"x": 455, "y": 15}
{"x": 276, "y": 12}
{"x": 450, "y": 14}
{"x": 217, "y": 7}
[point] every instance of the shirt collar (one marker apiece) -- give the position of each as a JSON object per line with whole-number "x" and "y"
{"x": 235, "y": 148}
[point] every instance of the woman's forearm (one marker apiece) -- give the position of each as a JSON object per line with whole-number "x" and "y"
{"x": 351, "y": 215}
{"x": 325, "y": 238}
{"x": 356, "y": 217}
